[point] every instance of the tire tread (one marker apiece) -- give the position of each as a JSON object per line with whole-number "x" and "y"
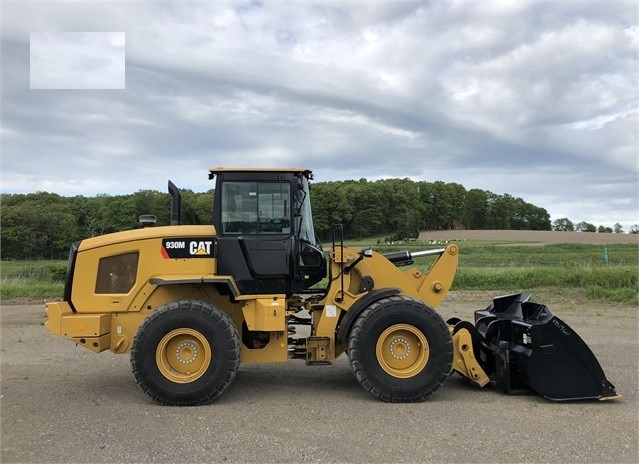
{"x": 360, "y": 330}
{"x": 200, "y": 309}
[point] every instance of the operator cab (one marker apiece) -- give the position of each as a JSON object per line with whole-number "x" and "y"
{"x": 265, "y": 235}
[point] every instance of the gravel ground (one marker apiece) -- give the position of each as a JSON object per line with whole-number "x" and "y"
{"x": 62, "y": 403}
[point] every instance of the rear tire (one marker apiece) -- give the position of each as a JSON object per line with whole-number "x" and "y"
{"x": 400, "y": 350}
{"x": 186, "y": 353}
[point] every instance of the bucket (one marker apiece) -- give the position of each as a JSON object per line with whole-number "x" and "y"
{"x": 525, "y": 347}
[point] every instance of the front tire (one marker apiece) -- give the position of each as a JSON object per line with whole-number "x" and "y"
{"x": 400, "y": 350}
{"x": 186, "y": 353}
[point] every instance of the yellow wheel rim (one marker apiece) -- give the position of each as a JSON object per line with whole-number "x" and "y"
{"x": 402, "y": 351}
{"x": 183, "y": 355}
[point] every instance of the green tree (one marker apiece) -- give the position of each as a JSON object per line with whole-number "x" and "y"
{"x": 442, "y": 203}
{"x": 189, "y": 214}
{"x": 584, "y": 226}
{"x": 203, "y": 207}
{"x": 367, "y": 215}
{"x": 475, "y": 209}
{"x": 456, "y": 206}
{"x": 330, "y": 206}
{"x": 152, "y": 202}
{"x": 520, "y": 219}
{"x": 499, "y": 212}
{"x": 539, "y": 219}
{"x": 117, "y": 213}
{"x": 563, "y": 225}
{"x": 400, "y": 200}
{"x": 40, "y": 225}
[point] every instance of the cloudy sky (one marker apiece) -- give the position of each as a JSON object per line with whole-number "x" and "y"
{"x": 539, "y": 100}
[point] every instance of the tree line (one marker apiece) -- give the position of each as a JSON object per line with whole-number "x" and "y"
{"x": 400, "y": 208}
{"x": 565, "y": 224}
{"x": 42, "y": 225}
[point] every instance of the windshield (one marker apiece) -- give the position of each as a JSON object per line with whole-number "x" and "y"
{"x": 306, "y": 230}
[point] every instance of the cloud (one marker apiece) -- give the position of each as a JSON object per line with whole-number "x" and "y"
{"x": 77, "y": 60}
{"x": 532, "y": 99}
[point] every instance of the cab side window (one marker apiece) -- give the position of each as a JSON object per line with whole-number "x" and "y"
{"x": 256, "y": 208}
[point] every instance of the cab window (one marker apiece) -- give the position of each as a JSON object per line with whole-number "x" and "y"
{"x": 256, "y": 208}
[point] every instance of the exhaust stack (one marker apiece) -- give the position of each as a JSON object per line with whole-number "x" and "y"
{"x": 176, "y": 204}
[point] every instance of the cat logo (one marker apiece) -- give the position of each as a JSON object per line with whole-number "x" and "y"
{"x": 201, "y": 248}
{"x": 176, "y": 248}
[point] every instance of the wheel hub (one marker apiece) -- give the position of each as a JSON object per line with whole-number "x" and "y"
{"x": 186, "y": 352}
{"x": 402, "y": 351}
{"x": 400, "y": 348}
{"x": 183, "y": 355}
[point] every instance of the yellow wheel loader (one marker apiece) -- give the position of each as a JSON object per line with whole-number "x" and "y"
{"x": 190, "y": 303}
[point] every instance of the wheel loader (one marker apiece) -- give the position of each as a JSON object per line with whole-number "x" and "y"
{"x": 189, "y": 303}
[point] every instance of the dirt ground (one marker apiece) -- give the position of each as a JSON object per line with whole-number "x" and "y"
{"x": 62, "y": 403}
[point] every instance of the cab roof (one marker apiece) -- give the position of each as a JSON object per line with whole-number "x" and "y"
{"x": 214, "y": 171}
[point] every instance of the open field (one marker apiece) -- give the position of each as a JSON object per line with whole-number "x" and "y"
{"x": 531, "y": 236}
{"x": 62, "y": 403}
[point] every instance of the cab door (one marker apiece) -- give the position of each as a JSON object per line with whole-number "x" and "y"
{"x": 256, "y": 243}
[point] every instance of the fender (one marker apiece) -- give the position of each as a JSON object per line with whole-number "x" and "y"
{"x": 347, "y": 321}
